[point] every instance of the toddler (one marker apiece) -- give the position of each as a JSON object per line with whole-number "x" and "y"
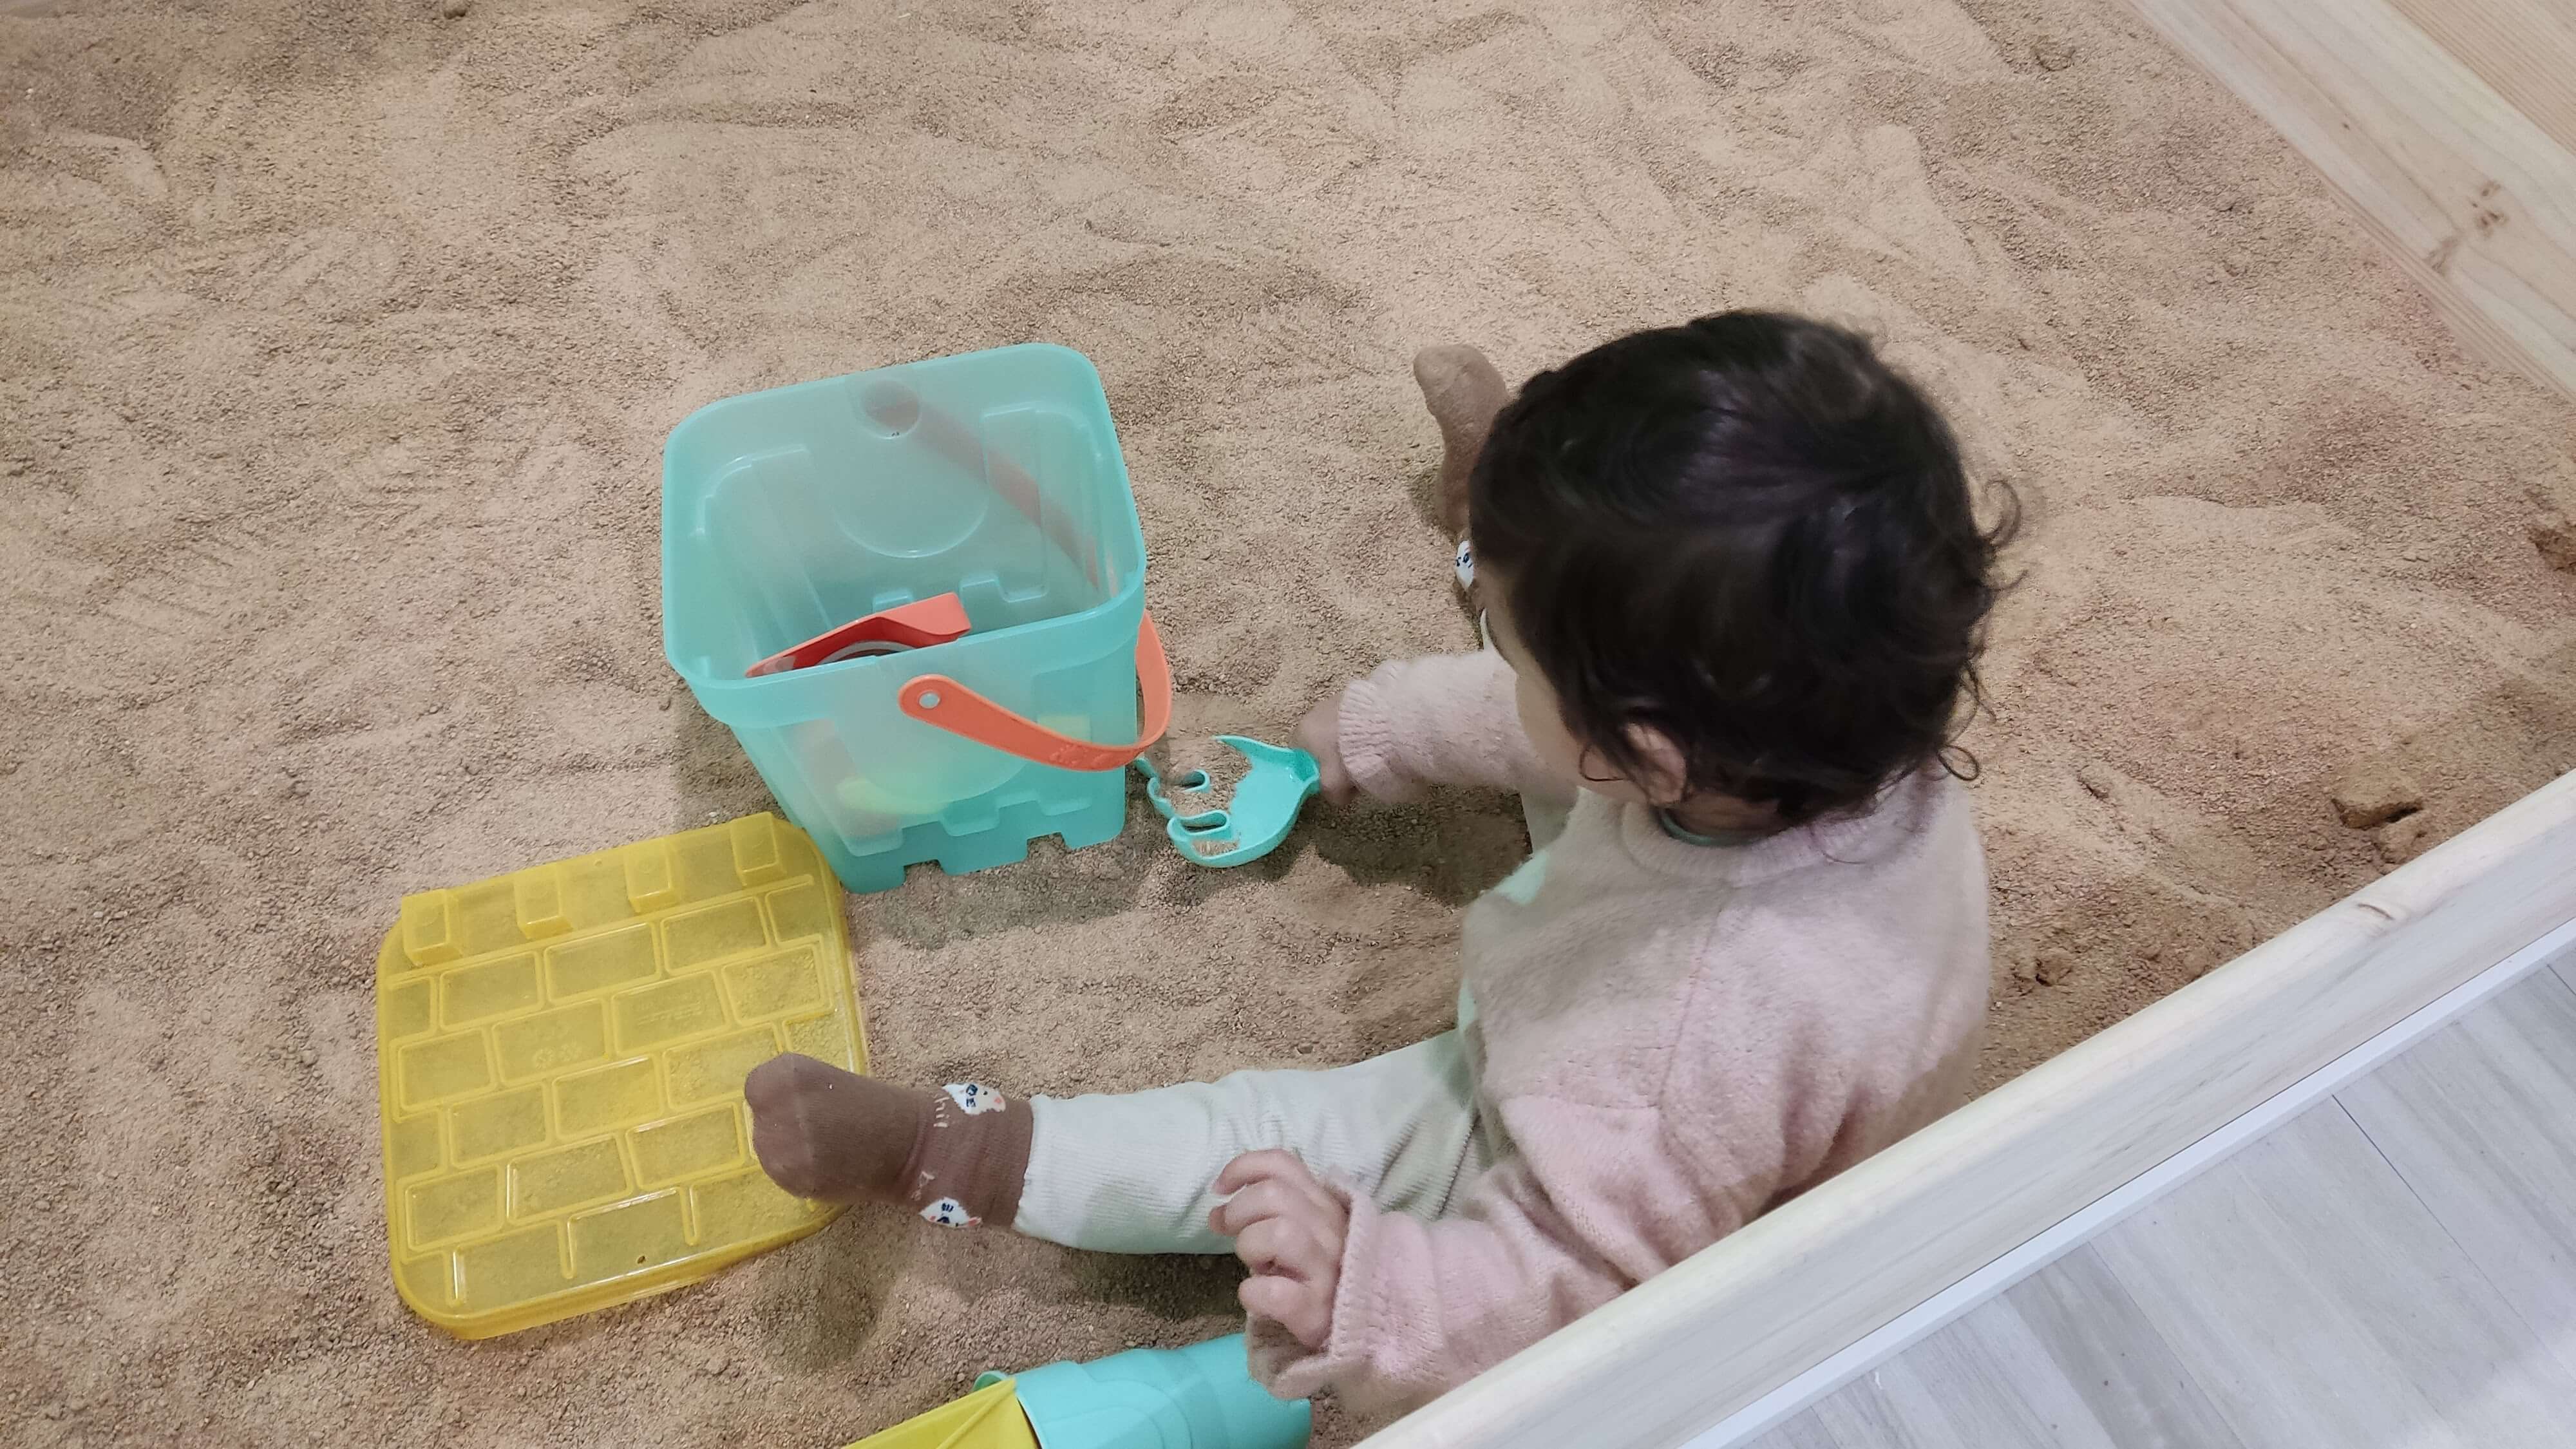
{"x": 1735, "y": 589}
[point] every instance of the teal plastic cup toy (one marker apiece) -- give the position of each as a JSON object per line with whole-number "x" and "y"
{"x": 1200, "y": 1397}
{"x": 994, "y": 476}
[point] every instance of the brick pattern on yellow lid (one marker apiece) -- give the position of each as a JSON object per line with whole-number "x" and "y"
{"x": 560, "y": 1057}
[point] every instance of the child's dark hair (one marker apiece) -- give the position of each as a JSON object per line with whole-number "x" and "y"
{"x": 1750, "y": 534}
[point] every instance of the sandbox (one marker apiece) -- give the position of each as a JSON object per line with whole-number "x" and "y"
{"x": 338, "y": 344}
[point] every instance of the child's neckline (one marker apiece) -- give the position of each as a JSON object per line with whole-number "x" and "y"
{"x": 1722, "y": 840}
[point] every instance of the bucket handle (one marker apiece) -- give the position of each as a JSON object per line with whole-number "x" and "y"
{"x": 939, "y": 701}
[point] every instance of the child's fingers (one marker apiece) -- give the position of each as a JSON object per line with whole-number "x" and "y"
{"x": 1266, "y": 1199}
{"x": 1312, "y": 1189}
{"x": 1252, "y": 1167}
{"x": 1281, "y": 1246}
{"x": 1319, "y": 734}
{"x": 1297, "y": 1307}
{"x": 1334, "y": 779}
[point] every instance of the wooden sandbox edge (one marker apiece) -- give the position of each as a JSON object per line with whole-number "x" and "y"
{"x": 1693, "y": 1345}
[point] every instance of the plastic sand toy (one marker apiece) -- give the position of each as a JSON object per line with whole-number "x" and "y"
{"x": 560, "y": 1056}
{"x": 1200, "y": 1397}
{"x": 1255, "y": 818}
{"x": 994, "y": 478}
{"x": 918, "y": 625}
{"x": 989, "y": 1418}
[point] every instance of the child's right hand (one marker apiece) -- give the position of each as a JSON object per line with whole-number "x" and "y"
{"x": 1320, "y": 734}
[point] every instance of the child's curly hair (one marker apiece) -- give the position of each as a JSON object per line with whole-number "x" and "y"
{"x": 1753, "y": 535}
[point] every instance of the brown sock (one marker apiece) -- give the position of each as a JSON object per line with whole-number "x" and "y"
{"x": 1463, "y": 392}
{"x": 956, "y": 1155}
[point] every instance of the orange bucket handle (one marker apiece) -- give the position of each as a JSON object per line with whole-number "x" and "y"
{"x": 936, "y": 699}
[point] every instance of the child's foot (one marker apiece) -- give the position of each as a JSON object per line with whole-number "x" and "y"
{"x": 955, "y": 1155}
{"x": 1463, "y": 392}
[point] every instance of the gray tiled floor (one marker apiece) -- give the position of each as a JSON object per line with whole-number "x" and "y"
{"x": 2396, "y": 1266}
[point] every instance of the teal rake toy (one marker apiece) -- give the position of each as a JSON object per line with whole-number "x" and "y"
{"x": 1258, "y": 816}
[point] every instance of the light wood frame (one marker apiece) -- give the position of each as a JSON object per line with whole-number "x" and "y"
{"x": 1693, "y": 1345}
{"x": 2449, "y": 125}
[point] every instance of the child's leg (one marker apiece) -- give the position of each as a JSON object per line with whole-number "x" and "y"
{"x": 1463, "y": 392}
{"x": 954, "y": 1154}
{"x": 1131, "y": 1173}
{"x": 1118, "y": 1173}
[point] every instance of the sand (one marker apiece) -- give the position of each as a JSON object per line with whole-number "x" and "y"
{"x": 337, "y": 344}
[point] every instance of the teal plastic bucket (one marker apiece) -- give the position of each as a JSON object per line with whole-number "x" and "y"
{"x": 995, "y": 476}
{"x": 1199, "y": 1397}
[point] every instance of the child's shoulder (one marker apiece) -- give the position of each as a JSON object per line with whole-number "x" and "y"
{"x": 1918, "y": 846}
{"x": 1858, "y": 944}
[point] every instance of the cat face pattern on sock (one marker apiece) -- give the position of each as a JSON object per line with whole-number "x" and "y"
{"x": 955, "y": 1164}
{"x": 955, "y": 1154}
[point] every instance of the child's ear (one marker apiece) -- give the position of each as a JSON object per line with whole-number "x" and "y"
{"x": 1663, "y": 768}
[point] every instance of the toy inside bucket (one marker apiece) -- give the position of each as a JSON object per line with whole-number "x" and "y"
{"x": 994, "y": 477}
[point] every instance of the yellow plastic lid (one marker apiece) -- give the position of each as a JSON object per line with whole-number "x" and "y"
{"x": 988, "y": 1418}
{"x": 559, "y": 1063}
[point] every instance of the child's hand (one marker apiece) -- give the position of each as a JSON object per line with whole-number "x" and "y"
{"x": 1320, "y": 734}
{"x": 1289, "y": 1230}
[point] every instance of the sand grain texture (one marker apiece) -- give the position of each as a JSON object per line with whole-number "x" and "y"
{"x": 337, "y": 343}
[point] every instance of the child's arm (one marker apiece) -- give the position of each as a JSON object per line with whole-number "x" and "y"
{"x": 1423, "y": 1306}
{"x": 1445, "y": 719}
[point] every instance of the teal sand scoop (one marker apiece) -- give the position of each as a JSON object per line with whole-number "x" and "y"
{"x": 1200, "y": 1397}
{"x": 1263, "y": 809}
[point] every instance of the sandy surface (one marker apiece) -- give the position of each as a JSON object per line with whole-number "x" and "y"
{"x": 338, "y": 340}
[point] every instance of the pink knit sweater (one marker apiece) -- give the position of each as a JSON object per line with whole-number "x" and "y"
{"x": 1671, "y": 1038}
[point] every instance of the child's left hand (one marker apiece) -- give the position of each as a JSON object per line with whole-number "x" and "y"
{"x": 1289, "y": 1230}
